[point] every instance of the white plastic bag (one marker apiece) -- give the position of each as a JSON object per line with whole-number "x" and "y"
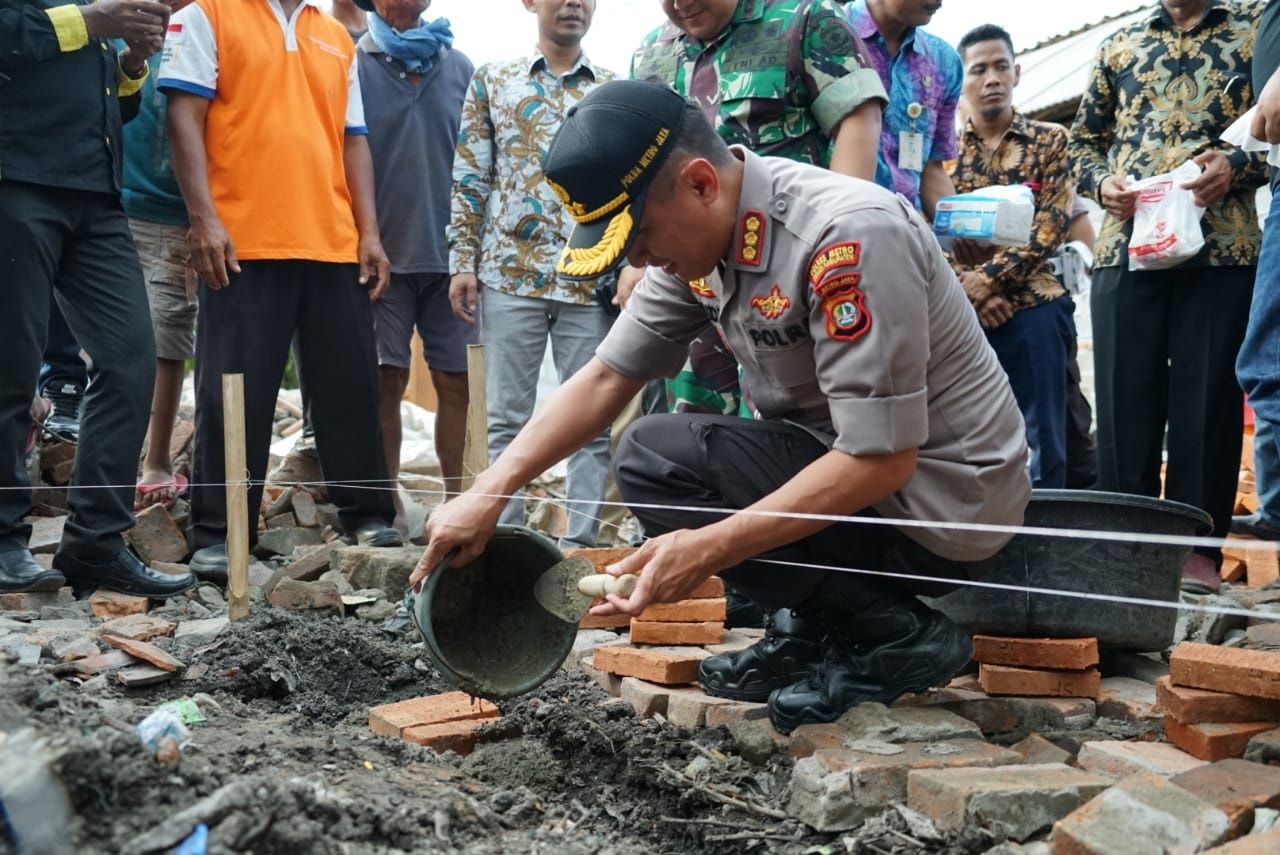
{"x": 1166, "y": 222}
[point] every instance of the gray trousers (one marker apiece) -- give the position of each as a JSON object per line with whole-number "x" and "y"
{"x": 515, "y": 331}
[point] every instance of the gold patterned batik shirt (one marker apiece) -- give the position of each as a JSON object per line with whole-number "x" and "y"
{"x": 506, "y": 224}
{"x": 1034, "y": 154}
{"x": 1158, "y": 97}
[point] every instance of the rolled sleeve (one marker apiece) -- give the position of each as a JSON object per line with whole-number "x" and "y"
{"x": 355, "y": 125}
{"x": 868, "y": 319}
{"x": 69, "y": 27}
{"x": 190, "y": 60}
{"x": 844, "y": 95}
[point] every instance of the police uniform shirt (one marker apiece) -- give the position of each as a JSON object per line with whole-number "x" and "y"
{"x": 847, "y": 320}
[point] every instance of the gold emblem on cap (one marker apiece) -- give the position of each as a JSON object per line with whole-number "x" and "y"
{"x": 594, "y": 260}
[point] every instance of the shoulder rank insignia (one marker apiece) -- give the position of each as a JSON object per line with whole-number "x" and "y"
{"x": 751, "y": 238}
{"x": 773, "y": 305}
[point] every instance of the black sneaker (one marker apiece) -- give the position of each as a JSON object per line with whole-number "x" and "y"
{"x": 790, "y": 645}
{"x": 926, "y": 649}
{"x": 64, "y": 422}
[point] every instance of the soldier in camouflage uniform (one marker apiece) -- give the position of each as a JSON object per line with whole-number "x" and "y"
{"x": 786, "y": 78}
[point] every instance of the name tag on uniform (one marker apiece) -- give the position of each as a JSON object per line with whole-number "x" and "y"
{"x": 911, "y": 151}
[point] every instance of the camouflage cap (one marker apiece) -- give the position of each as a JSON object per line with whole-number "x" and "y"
{"x": 601, "y": 163}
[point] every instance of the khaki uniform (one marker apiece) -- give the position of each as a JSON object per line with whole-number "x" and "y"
{"x": 848, "y": 322}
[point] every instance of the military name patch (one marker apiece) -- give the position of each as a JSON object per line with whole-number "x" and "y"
{"x": 763, "y": 337}
{"x": 773, "y": 305}
{"x": 751, "y": 238}
{"x": 847, "y": 254}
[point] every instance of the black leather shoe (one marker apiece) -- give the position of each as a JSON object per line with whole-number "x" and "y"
{"x": 1255, "y": 525}
{"x": 790, "y": 645}
{"x": 741, "y": 611}
{"x": 123, "y": 572}
{"x": 209, "y": 564}
{"x": 915, "y": 648}
{"x": 375, "y": 534}
{"x": 19, "y": 573}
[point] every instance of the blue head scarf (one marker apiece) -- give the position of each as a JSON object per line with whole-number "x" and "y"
{"x": 418, "y": 48}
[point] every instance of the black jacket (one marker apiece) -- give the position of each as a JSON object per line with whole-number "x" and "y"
{"x": 60, "y": 115}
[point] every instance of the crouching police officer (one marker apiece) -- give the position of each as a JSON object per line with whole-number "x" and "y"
{"x": 876, "y": 393}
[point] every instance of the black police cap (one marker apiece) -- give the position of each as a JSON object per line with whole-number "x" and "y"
{"x": 601, "y": 163}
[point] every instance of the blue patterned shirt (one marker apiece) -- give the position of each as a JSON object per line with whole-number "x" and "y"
{"x": 926, "y": 72}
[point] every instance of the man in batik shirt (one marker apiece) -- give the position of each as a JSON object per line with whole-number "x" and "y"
{"x": 1162, "y": 91}
{"x": 1023, "y": 308}
{"x": 506, "y": 232}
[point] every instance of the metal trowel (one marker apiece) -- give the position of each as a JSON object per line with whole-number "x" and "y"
{"x": 568, "y": 588}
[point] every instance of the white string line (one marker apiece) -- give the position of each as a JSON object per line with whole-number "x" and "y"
{"x": 989, "y": 528}
{"x": 1029, "y": 589}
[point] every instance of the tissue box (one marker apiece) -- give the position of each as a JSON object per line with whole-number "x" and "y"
{"x": 985, "y": 218}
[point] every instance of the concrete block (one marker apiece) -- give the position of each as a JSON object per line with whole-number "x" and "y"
{"x": 371, "y": 567}
{"x": 1146, "y": 808}
{"x": 1121, "y": 759}
{"x": 1004, "y": 680}
{"x": 837, "y": 789}
{"x": 1025, "y": 800}
{"x": 1058, "y": 654}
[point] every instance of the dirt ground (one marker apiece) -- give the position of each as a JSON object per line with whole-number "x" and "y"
{"x": 286, "y": 763}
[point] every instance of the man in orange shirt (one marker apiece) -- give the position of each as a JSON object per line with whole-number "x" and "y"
{"x": 270, "y": 150}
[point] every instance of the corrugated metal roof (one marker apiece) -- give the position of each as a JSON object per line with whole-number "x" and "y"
{"x": 1056, "y": 71}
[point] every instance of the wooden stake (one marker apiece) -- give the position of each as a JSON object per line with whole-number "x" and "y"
{"x": 475, "y": 455}
{"x": 237, "y": 496}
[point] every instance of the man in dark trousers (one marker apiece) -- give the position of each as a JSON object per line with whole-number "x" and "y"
{"x": 63, "y": 232}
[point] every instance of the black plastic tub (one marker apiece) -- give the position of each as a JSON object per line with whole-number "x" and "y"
{"x": 1117, "y": 568}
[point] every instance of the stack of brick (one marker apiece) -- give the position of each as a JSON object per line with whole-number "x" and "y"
{"x": 1038, "y": 667}
{"x": 1216, "y": 699}
{"x": 600, "y": 559}
{"x": 696, "y": 620}
{"x": 448, "y": 722}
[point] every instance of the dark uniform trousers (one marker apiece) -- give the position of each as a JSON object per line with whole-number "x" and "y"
{"x": 722, "y": 462}
{"x": 76, "y": 245}
{"x": 1165, "y": 345}
{"x": 246, "y": 328}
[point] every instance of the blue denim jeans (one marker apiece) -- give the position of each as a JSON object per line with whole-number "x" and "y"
{"x": 1258, "y": 369}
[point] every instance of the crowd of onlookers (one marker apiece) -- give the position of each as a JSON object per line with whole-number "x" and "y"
{"x": 283, "y": 180}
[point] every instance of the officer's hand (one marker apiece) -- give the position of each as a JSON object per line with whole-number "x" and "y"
{"x": 628, "y": 278}
{"x": 211, "y": 253}
{"x": 464, "y": 290}
{"x": 1117, "y": 198}
{"x": 995, "y": 312}
{"x": 375, "y": 267}
{"x": 1266, "y": 122}
{"x": 132, "y": 20}
{"x": 670, "y": 567}
{"x": 971, "y": 254}
{"x": 458, "y": 529}
{"x": 1215, "y": 182}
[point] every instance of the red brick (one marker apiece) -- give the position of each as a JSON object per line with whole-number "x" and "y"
{"x": 1262, "y": 565}
{"x": 139, "y": 627}
{"x": 1212, "y": 741}
{"x": 646, "y": 698}
{"x": 809, "y": 739}
{"x": 1233, "y": 570}
{"x": 1122, "y": 759}
{"x": 590, "y": 621}
{"x": 1058, "y": 654}
{"x": 690, "y": 708}
{"x": 729, "y": 714}
{"x": 686, "y": 611}
{"x": 301, "y": 596}
{"x": 459, "y": 737}
{"x": 1001, "y": 680}
{"x": 1127, "y": 699}
{"x": 392, "y": 719}
{"x": 668, "y": 666}
{"x": 33, "y": 601}
{"x": 1255, "y": 673}
{"x": 1142, "y": 813}
{"x": 110, "y": 604}
{"x": 712, "y": 589}
{"x": 601, "y": 558}
{"x": 654, "y": 632}
{"x": 144, "y": 651}
{"x": 1237, "y": 787}
{"x": 1194, "y": 706}
{"x": 1037, "y": 750}
{"x": 156, "y": 537}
